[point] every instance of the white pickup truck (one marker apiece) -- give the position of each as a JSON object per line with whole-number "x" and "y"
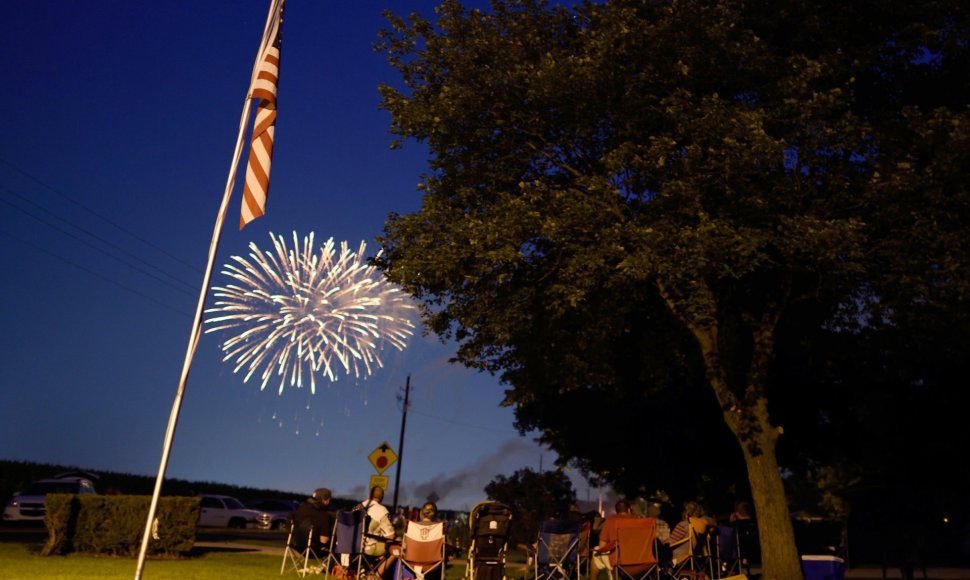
{"x": 223, "y": 511}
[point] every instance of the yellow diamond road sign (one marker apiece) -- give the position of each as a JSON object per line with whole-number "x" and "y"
{"x": 382, "y": 457}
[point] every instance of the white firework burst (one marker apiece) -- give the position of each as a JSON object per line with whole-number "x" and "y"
{"x": 303, "y": 312}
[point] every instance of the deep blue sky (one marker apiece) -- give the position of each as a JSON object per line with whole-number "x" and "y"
{"x": 120, "y": 113}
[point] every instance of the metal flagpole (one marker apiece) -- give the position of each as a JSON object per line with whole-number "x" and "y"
{"x": 200, "y": 307}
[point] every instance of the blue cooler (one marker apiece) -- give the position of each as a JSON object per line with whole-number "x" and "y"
{"x": 823, "y": 568}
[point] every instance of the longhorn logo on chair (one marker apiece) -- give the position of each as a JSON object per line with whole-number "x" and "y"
{"x": 424, "y": 533}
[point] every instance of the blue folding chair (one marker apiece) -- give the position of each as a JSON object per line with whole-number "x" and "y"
{"x": 557, "y": 550}
{"x": 346, "y": 557}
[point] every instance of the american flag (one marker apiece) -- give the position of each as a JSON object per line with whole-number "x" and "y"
{"x": 261, "y": 145}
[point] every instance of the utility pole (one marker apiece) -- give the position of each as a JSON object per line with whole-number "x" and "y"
{"x": 400, "y": 443}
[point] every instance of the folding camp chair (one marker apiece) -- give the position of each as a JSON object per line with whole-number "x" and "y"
{"x": 583, "y": 549}
{"x": 422, "y": 550}
{"x": 737, "y": 544}
{"x": 300, "y": 550}
{"x": 726, "y": 550}
{"x": 749, "y": 545}
{"x": 636, "y": 550}
{"x": 557, "y": 550}
{"x": 373, "y": 548}
{"x": 697, "y": 562}
{"x": 293, "y": 552}
{"x": 346, "y": 545}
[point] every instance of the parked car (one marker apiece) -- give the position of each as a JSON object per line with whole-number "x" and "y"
{"x": 28, "y": 505}
{"x": 224, "y": 511}
{"x": 279, "y": 509}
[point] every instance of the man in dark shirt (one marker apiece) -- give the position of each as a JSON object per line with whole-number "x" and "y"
{"x": 313, "y": 514}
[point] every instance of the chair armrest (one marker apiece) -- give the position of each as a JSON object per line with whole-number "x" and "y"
{"x": 604, "y": 549}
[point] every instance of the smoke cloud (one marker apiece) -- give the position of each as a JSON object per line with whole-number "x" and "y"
{"x": 467, "y": 487}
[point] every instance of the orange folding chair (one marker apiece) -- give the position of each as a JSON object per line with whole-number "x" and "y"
{"x": 636, "y": 550}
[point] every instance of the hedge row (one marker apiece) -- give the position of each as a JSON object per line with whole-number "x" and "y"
{"x": 114, "y": 525}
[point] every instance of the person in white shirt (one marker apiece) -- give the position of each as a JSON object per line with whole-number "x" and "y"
{"x": 378, "y": 526}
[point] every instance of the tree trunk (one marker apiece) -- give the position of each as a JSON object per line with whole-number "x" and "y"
{"x": 748, "y": 419}
{"x": 779, "y": 557}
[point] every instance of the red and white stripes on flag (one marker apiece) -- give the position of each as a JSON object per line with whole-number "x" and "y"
{"x": 261, "y": 143}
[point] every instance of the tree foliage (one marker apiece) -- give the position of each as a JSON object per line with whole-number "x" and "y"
{"x": 534, "y": 497}
{"x": 631, "y": 199}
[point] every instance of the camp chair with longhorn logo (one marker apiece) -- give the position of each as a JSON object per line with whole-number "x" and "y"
{"x": 422, "y": 550}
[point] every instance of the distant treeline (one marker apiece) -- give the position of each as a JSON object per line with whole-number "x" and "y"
{"x": 15, "y": 475}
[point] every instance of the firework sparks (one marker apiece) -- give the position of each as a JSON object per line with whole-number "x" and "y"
{"x": 301, "y": 312}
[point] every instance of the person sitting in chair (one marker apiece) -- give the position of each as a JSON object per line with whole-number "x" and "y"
{"x": 741, "y": 513}
{"x": 603, "y": 553}
{"x": 429, "y": 513}
{"x": 379, "y": 527}
{"x": 313, "y": 514}
{"x": 662, "y": 527}
{"x": 695, "y": 521}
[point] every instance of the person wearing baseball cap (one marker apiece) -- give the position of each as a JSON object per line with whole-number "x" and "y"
{"x": 314, "y": 514}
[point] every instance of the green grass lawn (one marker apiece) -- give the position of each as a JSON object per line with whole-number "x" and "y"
{"x": 21, "y": 561}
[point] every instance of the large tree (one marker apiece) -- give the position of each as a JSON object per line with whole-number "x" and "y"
{"x": 671, "y": 182}
{"x": 534, "y": 497}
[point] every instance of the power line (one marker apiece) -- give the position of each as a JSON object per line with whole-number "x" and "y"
{"x": 107, "y": 220}
{"x": 95, "y": 241}
{"x": 96, "y": 274}
{"x": 185, "y": 288}
{"x": 453, "y": 422}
